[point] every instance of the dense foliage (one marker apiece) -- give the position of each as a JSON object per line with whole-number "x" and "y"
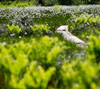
{"x": 33, "y": 56}
{"x": 52, "y": 16}
{"x": 48, "y": 2}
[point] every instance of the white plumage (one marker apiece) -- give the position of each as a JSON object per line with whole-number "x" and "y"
{"x": 63, "y": 30}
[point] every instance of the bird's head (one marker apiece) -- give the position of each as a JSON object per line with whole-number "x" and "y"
{"x": 62, "y": 29}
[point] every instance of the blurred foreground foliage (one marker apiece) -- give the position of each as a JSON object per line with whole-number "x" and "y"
{"x": 34, "y": 63}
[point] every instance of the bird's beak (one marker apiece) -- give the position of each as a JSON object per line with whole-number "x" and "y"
{"x": 56, "y": 31}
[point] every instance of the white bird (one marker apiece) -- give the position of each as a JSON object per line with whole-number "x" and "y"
{"x": 63, "y": 30}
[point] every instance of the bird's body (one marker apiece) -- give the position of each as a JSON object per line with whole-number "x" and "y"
{"x": 63, "y": 30}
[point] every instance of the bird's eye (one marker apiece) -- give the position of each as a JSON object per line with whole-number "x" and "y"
{"x": 64, "y": 29}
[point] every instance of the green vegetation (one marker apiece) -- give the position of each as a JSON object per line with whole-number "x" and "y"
{"x": 33, "y": 56}
{"x": 23, "y": 3}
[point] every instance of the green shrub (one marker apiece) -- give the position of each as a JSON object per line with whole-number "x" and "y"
{"x": 53, "y": 16}
{"x": 84, "y": 23}
{"x": 18, "y": 62}
{"x": 22, "y": 4}
{"x": 14, "y": 28}
{"x": 80, "y": 75}
{"x": 41, "y": 28}
{"x": 50, "y": 2}
{"x": 94, "y": 49}
{"x": 35, "y": 77}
